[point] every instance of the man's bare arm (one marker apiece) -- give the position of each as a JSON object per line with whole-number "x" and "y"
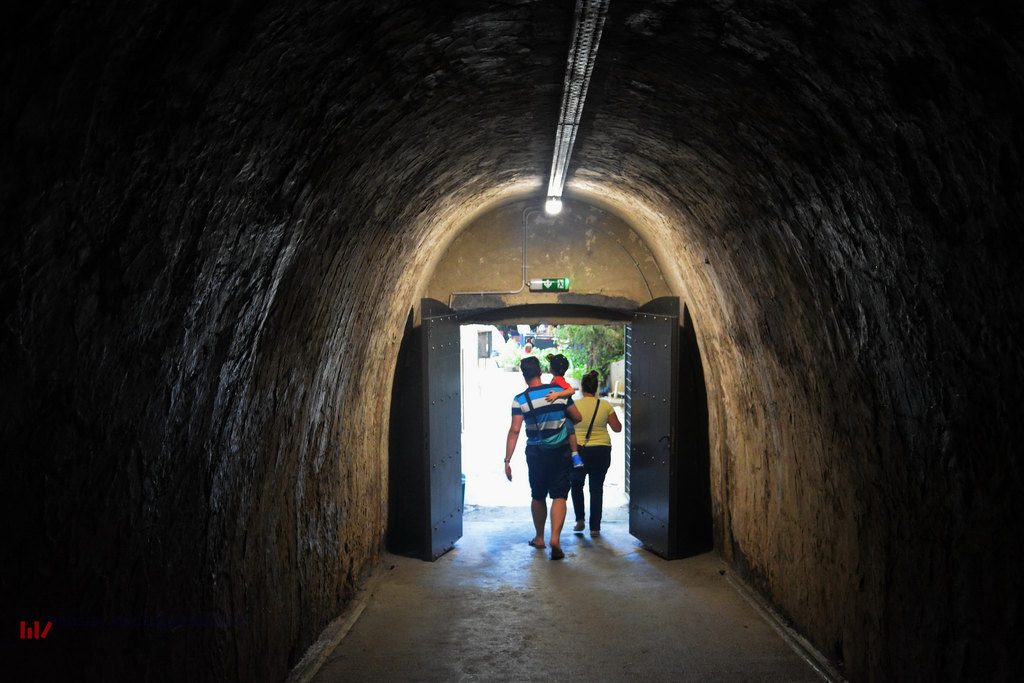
{"x": 510, "y": 443}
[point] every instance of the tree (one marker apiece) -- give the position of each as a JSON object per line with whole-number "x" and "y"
{"x": 592, "y": 347}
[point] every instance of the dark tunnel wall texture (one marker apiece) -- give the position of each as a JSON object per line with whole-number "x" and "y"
{"x": 216, "y": 219}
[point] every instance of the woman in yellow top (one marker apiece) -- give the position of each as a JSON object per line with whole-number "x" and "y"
{"x": 595, "y": 449}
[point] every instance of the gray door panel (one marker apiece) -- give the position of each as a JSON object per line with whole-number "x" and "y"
{"x": 443, "y": 433}
{"x": 652, "y": 385}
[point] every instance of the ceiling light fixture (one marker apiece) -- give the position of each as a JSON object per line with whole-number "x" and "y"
{"x": 589, "y": 22}
{"x": 553, "y": 206}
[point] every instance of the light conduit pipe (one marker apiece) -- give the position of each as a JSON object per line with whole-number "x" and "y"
{"x": 590, "y": 16}
{"x": 527, "y": 212}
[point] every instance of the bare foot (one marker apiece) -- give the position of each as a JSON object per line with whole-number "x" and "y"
{"x": 556, "y": 553}
{"x": 537, "y": 543}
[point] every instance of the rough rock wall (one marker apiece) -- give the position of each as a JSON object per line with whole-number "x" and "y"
{"x": 216, "y": 219}
{"x": 842, "y": 185}
{"x": 201, "y": 309}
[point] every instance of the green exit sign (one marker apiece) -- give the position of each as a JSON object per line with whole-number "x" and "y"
{"x": 549, "y": 284}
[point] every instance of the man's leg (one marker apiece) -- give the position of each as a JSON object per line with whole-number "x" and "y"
{"x": 538, "y": 487}
{"x": 560, "y": 465}
{"x": 540, "y": 516}
{"x": 557, "y": 519}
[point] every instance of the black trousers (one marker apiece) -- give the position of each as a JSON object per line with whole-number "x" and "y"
{"x": 596, "y": 461}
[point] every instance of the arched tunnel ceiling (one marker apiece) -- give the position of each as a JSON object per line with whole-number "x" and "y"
{"x": 222, "y": 214}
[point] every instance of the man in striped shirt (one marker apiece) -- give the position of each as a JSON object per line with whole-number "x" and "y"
{"x": 548, "y": 457}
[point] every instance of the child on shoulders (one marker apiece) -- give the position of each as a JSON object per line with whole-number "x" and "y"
{"x": 559, "y": 365}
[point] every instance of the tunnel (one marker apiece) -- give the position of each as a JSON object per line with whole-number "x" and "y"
{"x": 218, "y": 216}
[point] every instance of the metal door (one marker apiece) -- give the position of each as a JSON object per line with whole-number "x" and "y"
{"x": 652, "y": 385}
{"x": 443, "y": 429}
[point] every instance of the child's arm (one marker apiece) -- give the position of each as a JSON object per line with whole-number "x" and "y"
{"x": 555, "y": 395}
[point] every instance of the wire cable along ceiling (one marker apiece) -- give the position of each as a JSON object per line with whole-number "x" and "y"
{"x": 589, "y": 21}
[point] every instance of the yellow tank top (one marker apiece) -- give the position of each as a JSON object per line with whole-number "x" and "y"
{"x": 599, "y": 434}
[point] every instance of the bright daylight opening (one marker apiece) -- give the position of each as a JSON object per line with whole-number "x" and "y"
{"x": 490, "y": 356}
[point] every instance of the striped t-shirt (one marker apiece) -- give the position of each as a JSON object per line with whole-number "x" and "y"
{"x": 545, "y": 423}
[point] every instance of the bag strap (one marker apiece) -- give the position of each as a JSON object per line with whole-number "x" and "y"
{"x": 597, "y": 406}
{"x": 526, "y": 394}
{"x": 533, "y": 417}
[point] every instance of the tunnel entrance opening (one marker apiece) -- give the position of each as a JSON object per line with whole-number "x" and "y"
{"x": 665, "y": 418}
{"x": 490, "y": 356}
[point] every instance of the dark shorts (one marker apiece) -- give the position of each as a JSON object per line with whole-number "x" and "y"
{"x": 549, "y": 471}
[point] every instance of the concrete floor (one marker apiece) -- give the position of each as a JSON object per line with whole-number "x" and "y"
{"x": 493, "y": 608}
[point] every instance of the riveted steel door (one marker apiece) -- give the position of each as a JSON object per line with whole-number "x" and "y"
{"x": 443, "y": 428}
{"x": 652, "y": 351}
